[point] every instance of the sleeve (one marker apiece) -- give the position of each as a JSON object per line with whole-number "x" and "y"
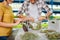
{"x": 45, "y": 6}
{"x": 20, "y": 11}
{"x": 23, "y": 8}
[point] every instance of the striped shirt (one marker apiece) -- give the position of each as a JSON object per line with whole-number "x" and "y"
{"x": 32, "y": 9}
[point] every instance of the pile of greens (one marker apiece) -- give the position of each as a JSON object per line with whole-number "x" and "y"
{"x": 53, "y": 36}
{"x": 29, "y": 36}
{"x": 47, "y": 31}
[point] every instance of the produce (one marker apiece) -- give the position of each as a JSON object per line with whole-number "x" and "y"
{"x": 29, "y": 36}
{"x": 46, "y": 31}
{"x": 44, "y": 25}
{"x": 15, "y": 16}
{"x": 51, "y": 17}
{"x": 30, "y": 26}
{"x": 57, "y": 17}
{"x": 38, "y": 26}
{"x": 53, "y": 36}
{"x": 18, "y": 26}
{"x": 35, "y": 26}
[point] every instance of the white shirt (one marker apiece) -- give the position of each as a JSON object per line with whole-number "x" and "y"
{"x": 33, "y": 11}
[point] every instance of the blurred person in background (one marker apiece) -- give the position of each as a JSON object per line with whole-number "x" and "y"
{"x": 33, "y": 9}
{"x": 6, "y": 19}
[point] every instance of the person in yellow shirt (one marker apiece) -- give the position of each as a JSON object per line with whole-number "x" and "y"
{"x": 6, "y": 19}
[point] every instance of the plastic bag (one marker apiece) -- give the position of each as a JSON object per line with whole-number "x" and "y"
{"x": 21, "y": 32}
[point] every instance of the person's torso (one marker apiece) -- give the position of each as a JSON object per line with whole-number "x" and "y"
{"x": 7, "y": 18}
{"x": 33, "y": 11}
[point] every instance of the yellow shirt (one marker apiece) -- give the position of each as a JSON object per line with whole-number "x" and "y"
{"x": 8, "y": 17}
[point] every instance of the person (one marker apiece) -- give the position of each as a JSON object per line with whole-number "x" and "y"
{"x": 33, "y": 9}
{"x": 6, "y": 19}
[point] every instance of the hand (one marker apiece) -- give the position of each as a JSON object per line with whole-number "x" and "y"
{"x": 18, "y": 21}
{"x": 24, "y": 19}
{"x": 42, "y": 18}
{"x": 31, "y": 19}
{"x": 21, "y": 16}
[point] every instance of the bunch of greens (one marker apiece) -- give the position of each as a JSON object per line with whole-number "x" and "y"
{"x": 53, "y": 36}
{"x": 29, "y": 36}
{"x": 47, "y": 31}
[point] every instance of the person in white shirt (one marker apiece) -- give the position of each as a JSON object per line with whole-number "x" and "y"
{"x": 33, "y": 9}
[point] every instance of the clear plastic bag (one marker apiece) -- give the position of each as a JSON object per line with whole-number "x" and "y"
{"x": 40, "y": 35}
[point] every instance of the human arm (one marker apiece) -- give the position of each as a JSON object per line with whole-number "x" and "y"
{"x": 49, "y": 11}
{"x": 3, "y": 24}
